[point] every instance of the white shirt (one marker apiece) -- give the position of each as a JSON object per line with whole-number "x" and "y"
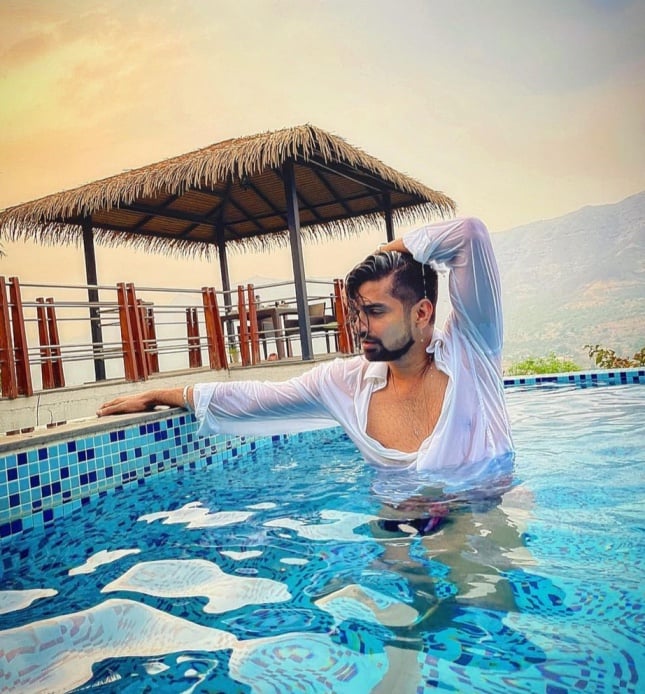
{"x": 472, "y": 437}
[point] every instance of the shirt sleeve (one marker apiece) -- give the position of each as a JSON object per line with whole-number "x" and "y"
{"x": 264, "y": 408}
{"x": 464, "y": 246}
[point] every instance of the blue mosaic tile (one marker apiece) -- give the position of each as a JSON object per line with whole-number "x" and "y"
{"x": 582, "y": 379}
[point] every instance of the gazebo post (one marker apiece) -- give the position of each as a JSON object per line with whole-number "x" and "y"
{"x": 93, "y": 298}
{"x": 223, "y": 268}
{"x": 293, "y": 221}
{"x": 226, "y": 283}
{"x": 387, "y": 209}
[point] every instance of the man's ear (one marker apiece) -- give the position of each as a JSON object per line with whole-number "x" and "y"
{"x": 424, "y": 312}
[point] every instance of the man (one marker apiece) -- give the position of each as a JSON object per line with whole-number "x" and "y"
{"x": 419, "y": 398}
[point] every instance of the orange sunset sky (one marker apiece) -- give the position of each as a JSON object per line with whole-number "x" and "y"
{"x": 518, "y": 110}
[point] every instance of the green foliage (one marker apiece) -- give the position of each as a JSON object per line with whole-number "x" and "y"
{"x": 606, "y": 358}
{"x": 551, "y": 364}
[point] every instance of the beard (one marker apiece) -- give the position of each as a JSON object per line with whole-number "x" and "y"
{"x": 379, "y": 352}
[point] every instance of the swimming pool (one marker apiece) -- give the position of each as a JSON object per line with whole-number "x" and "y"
{"x": 278, "y": 574}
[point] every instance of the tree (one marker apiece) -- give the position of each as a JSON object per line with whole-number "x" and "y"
{"x": 606, "y": 358}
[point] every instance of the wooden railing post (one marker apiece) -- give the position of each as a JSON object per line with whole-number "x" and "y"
{"x": 192, "y": 330}
{"x": 150, "y": 334}
{"x": 345, "y": 338}
{"x": 21, "y": 349}
{"x": 137, "y": 332}
{"x": 214, "y": 330}
{"x": 244, "y": 327}
{"x": 46, "y": 366}
{"x": 253, "y": 325}
{"x": 54, "y": 343}
{"x": 210, "y": 329}
{"x": 127, "y": 339}
{"x": 7, "y": 360}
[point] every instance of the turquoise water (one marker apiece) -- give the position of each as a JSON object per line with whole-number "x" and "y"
{"x": 287, "y": 573}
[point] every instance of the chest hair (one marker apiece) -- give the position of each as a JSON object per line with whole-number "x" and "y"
{"x": 402, "y": 417}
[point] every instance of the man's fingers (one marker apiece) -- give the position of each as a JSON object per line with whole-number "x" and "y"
{"x": 118, "y": 406}
{"x": 111, "y": 403}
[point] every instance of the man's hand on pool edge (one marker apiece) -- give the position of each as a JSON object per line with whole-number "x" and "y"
{"x": 142, "y": 402}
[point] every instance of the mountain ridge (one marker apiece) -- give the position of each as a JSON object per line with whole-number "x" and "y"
{"x": 574, "y": 280}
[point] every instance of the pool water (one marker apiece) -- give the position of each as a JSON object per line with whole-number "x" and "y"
{"x": 279, "y": 574}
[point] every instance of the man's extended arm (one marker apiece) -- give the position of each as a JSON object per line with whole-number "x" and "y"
{"x": 248, "y": 407}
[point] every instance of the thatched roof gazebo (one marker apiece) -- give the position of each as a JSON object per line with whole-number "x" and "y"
{"x": 254, "y": 192}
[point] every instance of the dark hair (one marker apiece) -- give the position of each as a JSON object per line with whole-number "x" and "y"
{"x": 412, "y": 281}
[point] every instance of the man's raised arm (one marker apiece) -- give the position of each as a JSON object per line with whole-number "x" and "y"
{"x": 464, "y": 246}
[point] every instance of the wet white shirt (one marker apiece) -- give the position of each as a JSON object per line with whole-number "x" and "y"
{"x": 472, "y": 436}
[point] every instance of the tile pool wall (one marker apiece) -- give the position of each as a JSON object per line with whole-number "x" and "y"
{"x": 50, "y": 476}
{"x": 581, "y": 379}
{"x": 60, "y": 472}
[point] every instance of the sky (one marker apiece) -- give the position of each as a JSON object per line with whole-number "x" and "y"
{"x": 519, "y": 111}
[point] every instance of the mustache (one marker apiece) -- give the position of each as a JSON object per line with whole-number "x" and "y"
{"x": 363, "y": 336}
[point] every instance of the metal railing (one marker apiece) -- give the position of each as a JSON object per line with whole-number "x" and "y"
{"x": 51, "y": 336}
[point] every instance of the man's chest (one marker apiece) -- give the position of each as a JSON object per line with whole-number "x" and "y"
{"x": 402, "y": 421}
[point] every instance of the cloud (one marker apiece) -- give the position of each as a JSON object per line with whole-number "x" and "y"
{"x": 487, "y": 101}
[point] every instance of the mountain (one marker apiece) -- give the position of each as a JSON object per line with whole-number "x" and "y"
{"x": 574, "y": 280}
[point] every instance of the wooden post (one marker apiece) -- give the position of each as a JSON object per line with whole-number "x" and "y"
{"x": 127, "y": 340}
{"x": 46, "y": 366}
{"x": 210, "y": 329}
{"x": 253, "y": 325}
{"x": 214, "y": 331}
{"x": 345, "y": 339}
{"x": 219, "y": 331}
{"x": 244, "y": 327}
{"x": 21, "y": 349}
{"x": 54, "y": 343}
{"x": 137, "y": 332}
{"x": 7, "y": 361}
{"x": 150, "y": 332}
{"x": 192, "y": 330}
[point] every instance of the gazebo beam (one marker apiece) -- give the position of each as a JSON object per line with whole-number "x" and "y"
{"x": 266, "y": 201}
{"x": 329, "y": 187}
{"x": 363, "y": 179}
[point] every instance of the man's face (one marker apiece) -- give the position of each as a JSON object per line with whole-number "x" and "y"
{"x": 384, "y": 324}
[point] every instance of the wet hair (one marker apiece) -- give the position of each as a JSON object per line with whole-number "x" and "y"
{"x": 412, "y": 281}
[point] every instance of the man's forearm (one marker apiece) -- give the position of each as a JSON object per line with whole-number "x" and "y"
{"x": 171, "y": 397}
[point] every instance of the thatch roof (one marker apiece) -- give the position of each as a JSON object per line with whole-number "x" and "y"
{"x": 234, "y": 188}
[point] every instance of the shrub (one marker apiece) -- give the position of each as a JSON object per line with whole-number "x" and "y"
{"x": 606, "y": 358}
{"x": 551, "y": 364}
